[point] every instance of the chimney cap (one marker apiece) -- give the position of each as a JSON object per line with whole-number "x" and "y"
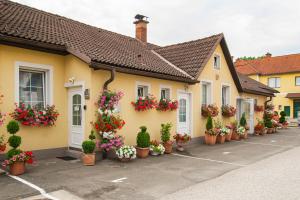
{"x": 268, "y": 54}
{"x": 140, "y": 18}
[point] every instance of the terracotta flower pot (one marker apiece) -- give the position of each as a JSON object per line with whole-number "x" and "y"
{"x": 210, "y": 139}
{"x": 235, "y": 136}
{"x": 142, "y": 152}
{"x": 285, "y": 126}
{"x": 168, "y": 147}
{"x": 88, "y": 159}
{"x": 245, "y": 136}
{"x": 2, "y": 147}
{"x": 263, "y": 131}
{"x": 257, "y": 132}
{"x": 269, "y": 130}
{"x": 17, "y": 168}
{"x": 221, "y": 139}
{"x": 228, "y": 136}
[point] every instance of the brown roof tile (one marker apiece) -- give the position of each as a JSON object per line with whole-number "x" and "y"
{"x": 293, "y": 95}
{"x": 269, "y": 65}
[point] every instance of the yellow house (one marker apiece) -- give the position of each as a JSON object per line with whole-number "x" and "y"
{"x": 46, "y": 59}
{"x": 281, "y": 73}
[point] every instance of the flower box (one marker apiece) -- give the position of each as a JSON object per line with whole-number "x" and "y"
{"x": 167, "y": 104}
{"x": 209, "y": 110}
{"x": 145, "y": 103}
{"x": 258, "y": 108}
{"x": 228, "y": 111}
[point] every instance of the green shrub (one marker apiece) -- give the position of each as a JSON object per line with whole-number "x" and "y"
{"x": 88, "y": 146}
{"x": 243, "y": 121}
{"x": 14, "y": 141}
{"x": 268, "y": 123}
{"x": 165, "y": 132}
{"x": 12, "y": 152}
{"x": 143, "y": 138}
{"x": 92, "y": 136}
{"x": 282, "y": 117}
{"x": 209, "y": 123}
{"x": 13, "y": 127}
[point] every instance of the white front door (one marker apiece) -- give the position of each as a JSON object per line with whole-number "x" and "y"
{"x": 75, "y": 107}
{"x": 247, "y": 106}
{"x": 183, "y": 114}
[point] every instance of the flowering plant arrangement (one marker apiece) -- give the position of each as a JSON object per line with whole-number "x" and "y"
{"x": 156, "y": 148}
{"x": 26, "y": 156}
{"x": 258, "y": 108}
{"x": 109, "y": 100}
{"x": 2, "y": 143}
{"x": 228, "y": 111}
{"x": 32, "y": 116}
{"x": 270, "y": 107}
{"x": 167, "y": 104}
{"x": 126, "y": 152}
{"x": 107, "y": 122}
{"x": 241, "y": 130}
{"x": 108, "y": 144}
{"x": 274, "y": 123}
{"x": 183, "y": 138}
{"x": 224, "y": 131}
{"x": 145, "y": 103}
{"x": 209, "y": 110}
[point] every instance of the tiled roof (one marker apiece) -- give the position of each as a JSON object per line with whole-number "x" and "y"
{"x": 97, "y": 44}
{"x": 269, "y": 65}
{"x": 250, "y": 85}
{"x": 293, "y": 95}
{"x": 191, "y": 56}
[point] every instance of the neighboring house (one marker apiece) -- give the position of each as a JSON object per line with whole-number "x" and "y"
{"x": 279, "y": 72}
{"x": 55, "y": 49}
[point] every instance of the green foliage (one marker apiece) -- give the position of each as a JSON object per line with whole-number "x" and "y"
{"x": 92, "y": 135}
{"x": 14, "y": 141}
{"x": 218, "y": 124}
{"x": 243, "y": 121}
{"x": 268, "y": 123}
{"x": 12, "y": 152}
{"x": 143, "y": 138}
{"x": 13, "y": 127}
{"x": 209, "y": 123}
{"x": 282, "y": 117}
{"x": 88, "y": 146}
{"x": 165, "y": 132}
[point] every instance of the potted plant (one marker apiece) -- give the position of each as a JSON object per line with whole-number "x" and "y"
{"x": 235, "y": 135}
{"x": 217, "y": 129}
{"x": 243, "y": 123}
{"x": 258, "y": 108}
{"x": 145, "y": 103}
{"x": 210, "y": 133}
{"x": 269, "y": 125}
{"x": 88, "y": 148}
{"x": 209, "y": 110}
{"x": 165, "y": 137}
{"x": 181, "y": 140}
{"x": 126, "y": 153}
{"x": 228, "y": 111}
{"x": 229, "y": 135}
{"x": 143, "y": 143}
{"x": 259, "y": 128}
{"x": 222, "y": 135}
{"x": 241, "y": 131}
{"x": 282, "y": 120}
{"x": 156, "y": 148}
{"x": 2, "y": 143}
{"x": 16, "y": 158}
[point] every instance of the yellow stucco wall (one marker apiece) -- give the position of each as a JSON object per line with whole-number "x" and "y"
{"x": 65, "y": 67}
{"x": 287, "y": 85}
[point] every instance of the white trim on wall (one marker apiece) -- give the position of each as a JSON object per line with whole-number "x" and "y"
{"x": 165, "y": 87}
{"x": 48, "y": 69}
{"x": 228, "y": 85}
{"x": 220, "y": 56}
{"x": 191, "y": 111}
{"x": 203, "y": 81}
{"x": 137, "y": 83}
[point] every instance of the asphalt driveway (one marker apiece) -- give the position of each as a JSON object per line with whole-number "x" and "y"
{"x": 151, "y": 178}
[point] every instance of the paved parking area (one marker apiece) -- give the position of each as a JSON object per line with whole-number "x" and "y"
{"x": 151, "y": 178}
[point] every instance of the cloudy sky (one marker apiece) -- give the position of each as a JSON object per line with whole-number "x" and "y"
{"x": 251, "y": 28}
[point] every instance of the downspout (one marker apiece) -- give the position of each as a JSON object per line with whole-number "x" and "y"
{"x": 266, "y": 102}
{"x": 111, "y": 79}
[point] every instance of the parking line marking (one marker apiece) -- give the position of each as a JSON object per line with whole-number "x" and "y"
{"x": 120, "y": 180}
{"x": 211, "y": 160}
{"x": 258, "y": 143}
{"x": 42, "y": 191}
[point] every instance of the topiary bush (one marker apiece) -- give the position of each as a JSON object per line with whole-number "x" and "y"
{"x": 92, "y": 136}
{"x": 282, "y": 117}
{"x": 88, "y": 146}
{"x": 143, "y": 138}
{"x": 243, "y": 121}
{"x": 209, "y": 123}
{"x": 13, "y": 152}
{"x": 165, "y": 132}
{"x": 14, "y": 141}
{"x": 268, "y": 123}
{"x": 13, "y": 127}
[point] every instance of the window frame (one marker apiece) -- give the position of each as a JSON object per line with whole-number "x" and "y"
{"x": 48, "y": 79}
{"x": 216, "y": 55}
{"x": 209, "y": 93}
{"x": 297, "y": 77}
{"x": 225, "y": 85}
{"x": 276, "y": 78}
{"x": 142, "y": 84}
{"x": 165, "y": 87}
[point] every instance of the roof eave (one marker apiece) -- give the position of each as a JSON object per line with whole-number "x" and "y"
{"x": 258, "y": 93}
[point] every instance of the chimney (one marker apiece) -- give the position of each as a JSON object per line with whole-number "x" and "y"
{"x": 268, "y": 55}
{"x": 141, "y": 27}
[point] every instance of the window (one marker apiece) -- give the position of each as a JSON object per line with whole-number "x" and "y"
{"x": 274, "y": 82}
{"x": 206, "y": 93}
{"x": 225, "y": 95}
{"x": 76, "y": 101}
{"x": 217, "y": 62}
{"x": 142, "y": 90}
{"x": 182, "y": 110}
{"x": 165, "y": 93}
{"x": 297, "y": 80}
{"x": 32, "y": 88}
